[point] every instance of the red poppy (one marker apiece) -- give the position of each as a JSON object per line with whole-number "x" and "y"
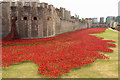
{"x": 57, "y": 55}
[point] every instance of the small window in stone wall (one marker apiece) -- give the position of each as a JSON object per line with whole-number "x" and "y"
{"x": 24, "y": 18}
{"x": 35, "y": 18}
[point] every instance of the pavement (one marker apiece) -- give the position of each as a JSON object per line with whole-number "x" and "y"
{"x": 113, "y": 30}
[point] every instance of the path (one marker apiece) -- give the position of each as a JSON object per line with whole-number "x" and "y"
{"x": 113, "y": 30}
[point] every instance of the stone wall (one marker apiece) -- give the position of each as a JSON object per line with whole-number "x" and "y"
{"x": 89, "y": 22}
{"x": 0, "y": 20}
{"x": 38, "y": 19}
{"x": 5, "y": 18}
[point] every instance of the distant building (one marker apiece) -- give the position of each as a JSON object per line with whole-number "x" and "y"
{"x": 115, "y": 21}
{"x": 118, "y": 19}
{"x": 94, "y": 20}
{"x": 119, "y": 8}
{"x": 101, "y": 20}
{"x": 109, "y": 18}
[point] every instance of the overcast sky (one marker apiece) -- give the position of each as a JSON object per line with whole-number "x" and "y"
{"x": 88, "y": 8}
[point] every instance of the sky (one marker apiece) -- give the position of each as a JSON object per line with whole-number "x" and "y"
{"x": 87, "y": 8}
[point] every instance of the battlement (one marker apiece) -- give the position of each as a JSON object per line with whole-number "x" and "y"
{"x": 62, "y": 12}
{"x": 27, "y": 4}
{"x": 44, "y": 5}
{"x": 13, "y": 4}
{"x": 30, "y": 4}
{"x": 50, "y": 6}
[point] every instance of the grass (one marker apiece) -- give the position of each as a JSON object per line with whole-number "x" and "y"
{"x": 99, "y": 69}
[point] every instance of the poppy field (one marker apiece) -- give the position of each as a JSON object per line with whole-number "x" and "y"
{"x": 58, "y": 55}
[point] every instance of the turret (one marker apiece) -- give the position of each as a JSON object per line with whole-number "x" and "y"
{"x": 62, "y": 13}
{"x": 44, "y": 5}
{"x": 50, "y": 6}
{"x": 26, "y": 3}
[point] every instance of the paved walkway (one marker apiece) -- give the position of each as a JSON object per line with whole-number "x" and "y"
{"x": 113, "y": 30}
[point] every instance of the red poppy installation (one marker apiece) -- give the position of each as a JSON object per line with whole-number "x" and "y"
{"x": 57, "y": 55}
{"x": 13, "y": 34}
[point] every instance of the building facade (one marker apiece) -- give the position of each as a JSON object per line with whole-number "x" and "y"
{"x": 109, "y": 18}
{"x": 35, "y": 19}
{"x": 119, "y": 8}
{"x": 101, "y": 20}
{"x": 94, "y": 20}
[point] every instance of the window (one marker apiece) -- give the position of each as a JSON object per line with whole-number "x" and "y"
{"x": 24, "y": 18}
{"x": 35, "y": 18}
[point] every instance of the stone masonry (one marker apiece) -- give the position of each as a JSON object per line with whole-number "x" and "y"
{"x": 35, "y": 19}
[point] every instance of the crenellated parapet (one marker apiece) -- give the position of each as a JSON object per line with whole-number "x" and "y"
{"x": 44, "y": 5}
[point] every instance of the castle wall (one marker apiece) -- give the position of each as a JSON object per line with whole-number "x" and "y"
{"x": 38, "y": 19}
{"x": 50, "y": 21}
{"x": 5, "y": 18}
{"x": 67, "y": 15}
{"x": 23, "y": 11}
{"x": 13, "y": 13}
{"x": 34, "y": 23}
{"x": 0, "y": 20}
{"x": 58, "y": 24}
{"x": 44, "y": 6}
{"x": 89, "y": 22}
{"x": 66, "y": 26}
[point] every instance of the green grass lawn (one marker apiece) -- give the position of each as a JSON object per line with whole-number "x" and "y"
{"x": 99, "y": 69}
